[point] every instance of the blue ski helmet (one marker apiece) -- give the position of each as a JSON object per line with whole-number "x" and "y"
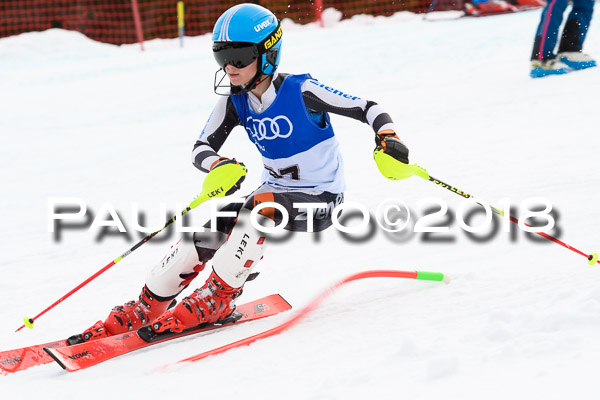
{"x": 247, "y": 32}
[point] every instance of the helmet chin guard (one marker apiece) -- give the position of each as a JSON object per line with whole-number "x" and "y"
{"x": 231, "y": 90}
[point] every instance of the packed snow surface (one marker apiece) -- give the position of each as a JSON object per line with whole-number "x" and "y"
{"x": 114, "y": 126}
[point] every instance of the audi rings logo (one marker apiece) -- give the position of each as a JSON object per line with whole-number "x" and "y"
{"x": 269, "y": 128}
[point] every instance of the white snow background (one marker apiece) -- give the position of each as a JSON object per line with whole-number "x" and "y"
{"x": 115, "y": 125}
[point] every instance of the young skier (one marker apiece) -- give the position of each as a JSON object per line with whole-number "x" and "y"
{"x": 570, "y": 56}
{"x": 286, "y": 117}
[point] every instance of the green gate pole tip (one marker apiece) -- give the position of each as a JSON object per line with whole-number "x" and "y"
{"x": 432, "y": 276}
{"x": 593, "y": 259}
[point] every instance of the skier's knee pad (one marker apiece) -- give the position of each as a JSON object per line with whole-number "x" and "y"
{"x": 234, "y": 261}
{"x": 175, "y": 271}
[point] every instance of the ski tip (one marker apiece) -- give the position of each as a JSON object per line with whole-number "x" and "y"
{"x": 51, "y": 354}
{"x": 282, "y": 298}
{"x": 446, "y": 279}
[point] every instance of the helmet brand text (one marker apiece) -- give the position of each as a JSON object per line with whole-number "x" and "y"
{"x": 262, "y": 26}
{"x": 270, "y": 42}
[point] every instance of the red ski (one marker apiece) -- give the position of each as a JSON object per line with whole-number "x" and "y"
{"x": 27, "y": 357}
{"x": 79, "y": 356}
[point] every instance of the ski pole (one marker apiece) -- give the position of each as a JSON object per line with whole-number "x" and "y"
{"x": 422, "y": 172}
{"x": 216, "y": 186}
{"x": 419, "y": 275}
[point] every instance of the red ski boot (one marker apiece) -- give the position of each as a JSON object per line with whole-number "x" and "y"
{"x": 212, "y": 304}
{"x": 130, "y": 316}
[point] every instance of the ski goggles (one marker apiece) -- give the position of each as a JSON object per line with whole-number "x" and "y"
{"x": 236, "y": 54}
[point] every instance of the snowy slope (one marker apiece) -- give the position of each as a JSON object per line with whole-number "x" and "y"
{"x": 114, "y": 125}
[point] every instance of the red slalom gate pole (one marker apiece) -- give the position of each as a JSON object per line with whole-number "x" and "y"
{"x": 137, "y": 20}
{"x": 420, "y": 275}
{"x": 319, "y": 12}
